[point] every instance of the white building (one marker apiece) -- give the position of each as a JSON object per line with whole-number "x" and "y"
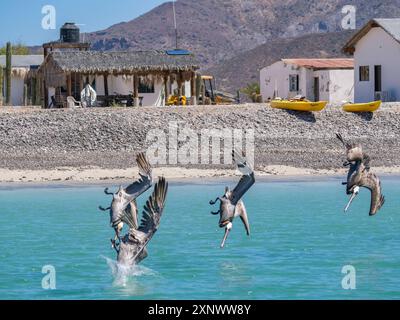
{"x": 20, "y": 66}
{"x": 316, "y": 79}
{"x": 376, "y": 51}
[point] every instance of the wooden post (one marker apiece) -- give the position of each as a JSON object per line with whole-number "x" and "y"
{"x": 33, "y": 91}
{"x": 69, "y": 86}
{"x": 166, "y": 89}
{"x": 8, "y": 73}
{"x": 135, "y": 90}
{"x": 198, "y": 87}
{"x": 203, "y": 93}
{"x": 1, "y": 85}
{"x": 105, "y": 78}
{"x": 25, "y": 96}
{"x": 45, "y": 95}
{"x": 193, "y": 100}
{"x": 179, "y": 82}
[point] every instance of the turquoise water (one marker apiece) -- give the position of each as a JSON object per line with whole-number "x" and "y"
{"x": 300, "y": 241}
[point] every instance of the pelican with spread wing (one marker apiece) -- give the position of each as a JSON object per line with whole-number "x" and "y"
{"x": 124, "y": 199}
{"x": 231, "y": 205}
{"x": 132, "y": 247}
{"x": 359, "y": 175}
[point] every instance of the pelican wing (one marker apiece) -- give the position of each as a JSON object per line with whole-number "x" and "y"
{"x": 144, "y": 182}
{"x": 241, "y": 211}
{"x": 129, "y": 215}
{"x": 372, "y": 182}
{"x": 153, "y": 209}
{"x": 241, "y": 188}
{"x": 247, "y": 179}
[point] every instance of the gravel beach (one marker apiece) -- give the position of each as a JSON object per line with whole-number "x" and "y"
{"x": 60, "y": 141}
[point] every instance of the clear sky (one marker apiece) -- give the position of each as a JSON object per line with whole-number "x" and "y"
{"x": 21, "y": 20}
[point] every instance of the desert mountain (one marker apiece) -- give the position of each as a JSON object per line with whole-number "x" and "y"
{"x": 235, "y": 73}
{"x": 216, "y": 30}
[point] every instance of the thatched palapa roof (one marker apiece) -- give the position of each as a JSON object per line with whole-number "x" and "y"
{"x": 121, "y": 62}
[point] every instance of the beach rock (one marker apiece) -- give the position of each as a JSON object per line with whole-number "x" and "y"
{"x": 110, "y": 137}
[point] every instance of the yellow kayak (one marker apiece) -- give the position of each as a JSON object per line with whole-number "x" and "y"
{"x": 299, "y": 105}
{"x": 362, "y": 107}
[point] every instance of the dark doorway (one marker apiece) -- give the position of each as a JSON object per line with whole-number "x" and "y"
{"x": 378, "y": 78}
{"x": 316, "y": 88}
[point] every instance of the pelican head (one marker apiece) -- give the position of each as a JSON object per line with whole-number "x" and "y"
{"x": 355, "y": 153}
{"x": 228, "y": 228}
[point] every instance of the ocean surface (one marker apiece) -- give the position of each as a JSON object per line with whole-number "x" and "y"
{"x": 300, "y": 241}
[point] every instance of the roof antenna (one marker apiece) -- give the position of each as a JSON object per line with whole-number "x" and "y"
{"x": 176, "y": 28}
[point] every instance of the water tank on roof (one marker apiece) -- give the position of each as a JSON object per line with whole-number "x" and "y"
{"x": 69, "y": 32}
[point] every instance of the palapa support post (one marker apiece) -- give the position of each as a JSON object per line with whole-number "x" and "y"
{"x": 25, "y": 96}
{"x": 193, "y": 99}
{"x": 69, "y": 84}
{"x": 135, "y": 90}
{"x": 179, "y": 81}
{"x": 166, "y": 89}
{"x": 45, "y": 95}
{"x": 105, "y": 80}
{"x": 1, "y": 85}
{"x": 8, "y": 73}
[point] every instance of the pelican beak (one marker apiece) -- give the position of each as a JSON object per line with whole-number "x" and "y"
{"x": 353, "y": 196}
{"x": 227, "y": 230}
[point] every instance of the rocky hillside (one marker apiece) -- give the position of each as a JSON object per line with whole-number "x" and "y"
{"x": 219, "y": 29}
{"x": 109, "y": 137}
{"x": 235, "y": 73}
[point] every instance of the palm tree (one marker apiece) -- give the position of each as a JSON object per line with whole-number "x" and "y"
{"x": 252, "y": 90}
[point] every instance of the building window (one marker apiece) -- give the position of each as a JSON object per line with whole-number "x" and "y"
{"x": 364, "y": 73}
{"x": 146, "y": 87}
{"x": 293, "y": 82}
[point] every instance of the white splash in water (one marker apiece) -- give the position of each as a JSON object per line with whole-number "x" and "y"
{"x": 122, "y": 274}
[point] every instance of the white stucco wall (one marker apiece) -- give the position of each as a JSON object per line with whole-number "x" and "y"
{"x": 276, "y": 76}
{"x": 17, "y": 91}
{"x": 377, "y": 48}
{"x": 334, "y": 85}
{"x": 341, "y": 86}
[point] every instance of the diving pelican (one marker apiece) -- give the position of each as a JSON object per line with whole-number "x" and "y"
{"x": 359, "y": 175}
{"x": 124, "y": 199}
{"x": 231, "y": 205}
{"x": 132, "y": 247}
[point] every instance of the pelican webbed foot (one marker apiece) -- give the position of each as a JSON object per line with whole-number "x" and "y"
{"x": 215, "y": 201}
{"x": 107, "y": 192}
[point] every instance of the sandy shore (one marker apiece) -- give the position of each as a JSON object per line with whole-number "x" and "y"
{"x": 95, "y": 175}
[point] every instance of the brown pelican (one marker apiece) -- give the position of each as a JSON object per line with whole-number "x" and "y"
{"x": 124, "y": 199}
{"x": 231, "y": 205}
{"x": 359, "y": 175}
{"x": 132, "y": 247}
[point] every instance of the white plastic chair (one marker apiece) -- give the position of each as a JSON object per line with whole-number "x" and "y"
{"x": 72, "y": 103}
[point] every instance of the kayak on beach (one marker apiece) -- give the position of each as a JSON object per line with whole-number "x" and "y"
{"x": 299, "y": 105}
{"x": 362, "y": 107}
